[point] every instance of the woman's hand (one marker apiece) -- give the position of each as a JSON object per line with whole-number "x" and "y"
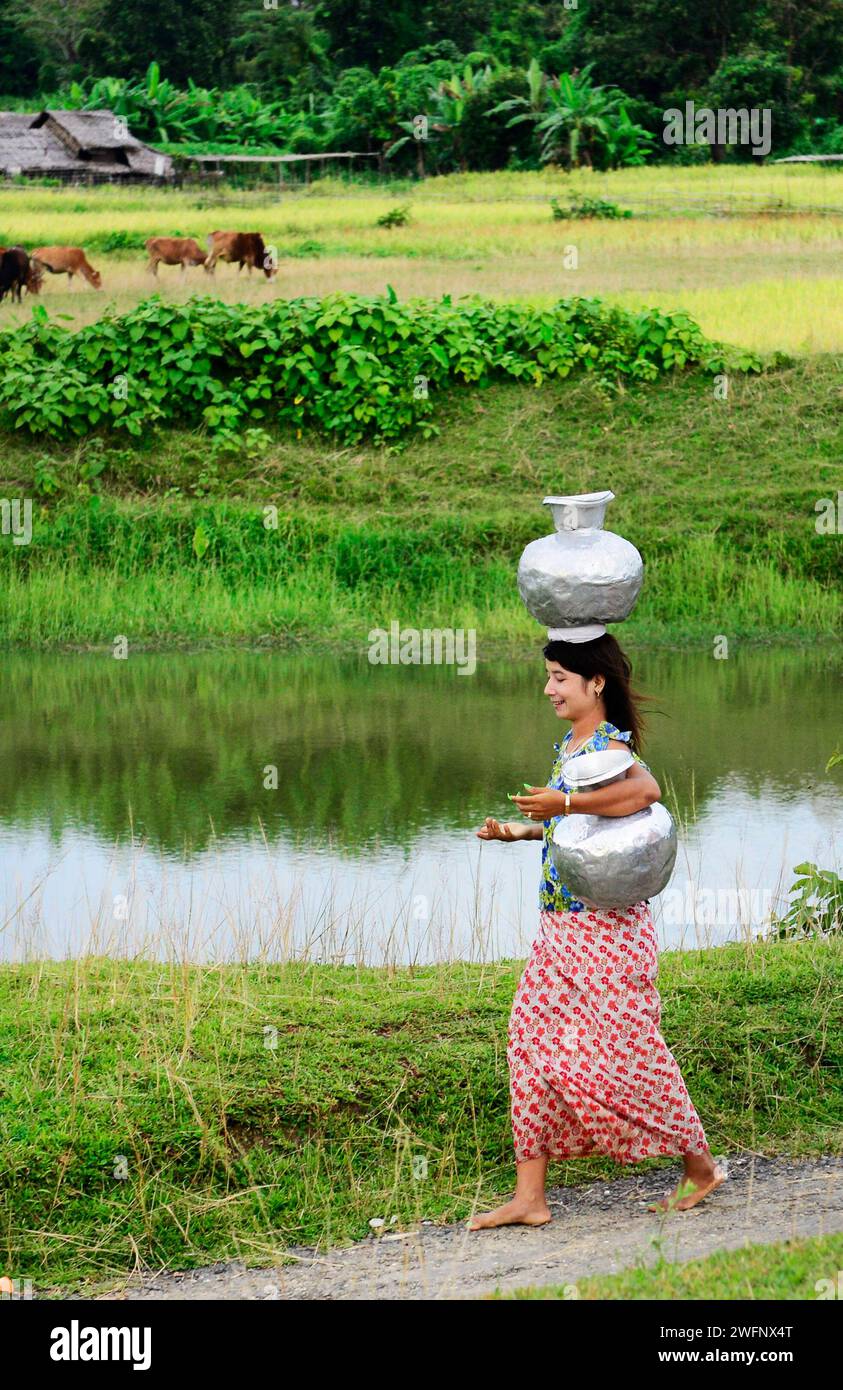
{"x": 634, "y": 792}
{"x": 540, "y": 803}
{"x": 503, "y": 830}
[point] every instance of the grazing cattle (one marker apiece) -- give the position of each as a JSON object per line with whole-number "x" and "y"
{"x": 14, "y": 271}
{"x": 35, "y": 278}
{"x": 246, "y": 248}
{"x": 69, "y": 261}
{"x": 174, "y": 250}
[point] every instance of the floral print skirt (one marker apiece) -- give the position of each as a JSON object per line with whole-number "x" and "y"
{"x": 589, "y": 1070}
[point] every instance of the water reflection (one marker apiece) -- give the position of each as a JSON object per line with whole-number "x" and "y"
{"x": 239, "y": 804}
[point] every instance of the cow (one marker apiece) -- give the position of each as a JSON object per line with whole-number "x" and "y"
{"x": 246, "y": 248}
{"x": 69, "y": 261}
{"x": 174, "y": 250}
{"x": 35, "y": 278}
{"x": 14, "y": 271}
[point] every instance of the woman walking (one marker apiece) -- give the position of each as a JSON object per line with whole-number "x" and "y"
{"x": 589, "y": 1069}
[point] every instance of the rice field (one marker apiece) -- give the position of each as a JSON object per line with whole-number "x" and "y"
{"x": 755, "y": 254}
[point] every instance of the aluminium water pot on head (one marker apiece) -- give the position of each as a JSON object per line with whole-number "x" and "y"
{"x": 581, "y": 576}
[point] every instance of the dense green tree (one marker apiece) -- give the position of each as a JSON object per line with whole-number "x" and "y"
{"x": 808, "y": 34}
{"x": 451, "y": 99}
{"x": 365, "y": 109}
{"x": 653, "y": 49}
{"x": 371, "y": 33}
{"x": 20, "y": 56}
{"x": 488, "y": 140}
{"x": 282, "y": 50}
{"x": 340, "y": 66}
{"x": 62, "y": 32}
{"x": 444, "y": 51}
{"x": 761, "y": 81}
{"x": 189, "y": 42}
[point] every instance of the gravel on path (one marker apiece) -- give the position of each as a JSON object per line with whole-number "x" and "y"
{"x": 597, "y": 1228}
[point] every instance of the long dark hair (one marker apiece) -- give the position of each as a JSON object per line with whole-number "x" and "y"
{"x": 603, "y": 657}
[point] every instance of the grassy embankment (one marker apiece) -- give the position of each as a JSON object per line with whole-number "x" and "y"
{"x": 181, "y": 1114}
{"x": 719, "y": 496}
{"x": 766, "y": 275}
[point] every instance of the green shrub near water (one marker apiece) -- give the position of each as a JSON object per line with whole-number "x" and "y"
{"x": 349, "y": 365}
{"x": 208, "y": 570}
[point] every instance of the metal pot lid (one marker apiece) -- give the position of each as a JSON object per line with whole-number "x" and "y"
{"x": 590, "y": 769}
{"x": 581, "y": 497}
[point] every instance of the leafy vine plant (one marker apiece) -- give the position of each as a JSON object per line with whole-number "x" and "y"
{"x": 344, "y": 365}
{"x": 816, "y": 896}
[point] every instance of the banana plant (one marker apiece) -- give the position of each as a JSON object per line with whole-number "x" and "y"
{"x": 154, "y": 109}
{"x": 530, "y": 108}
{"x": 449, "y": 99}
{"x": 574, "y": 118}
{"x": 578, "y": 119}
{"x": 627, "y": 144}
{"x": 410, "y": 127}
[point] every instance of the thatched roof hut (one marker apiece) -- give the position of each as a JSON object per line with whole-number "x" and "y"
{"x": 85, "y": 145}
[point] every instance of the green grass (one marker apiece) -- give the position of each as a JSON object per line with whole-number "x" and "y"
{"x": 144, "y": 1113}
{"x": 791, "y": 1270}
{"x": 719, "y": 496}
{"x": 693, "y": 596}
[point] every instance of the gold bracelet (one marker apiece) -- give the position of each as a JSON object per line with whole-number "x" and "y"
{"x": 567, "y": 803}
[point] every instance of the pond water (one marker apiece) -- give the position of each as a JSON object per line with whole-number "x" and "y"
{"x": 139, "y": 809}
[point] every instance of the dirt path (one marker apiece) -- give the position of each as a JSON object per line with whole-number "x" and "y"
{"x": 597, "y": 1228}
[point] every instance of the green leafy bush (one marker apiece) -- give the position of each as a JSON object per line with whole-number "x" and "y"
{"x": 119, "y": 241}
{"x": 349, "y": 365}
{"x": 816, "y": 907}
{"x": 306, "y": 249}
{"x": 581, "y": 206}
{"x": 396, "y": 217}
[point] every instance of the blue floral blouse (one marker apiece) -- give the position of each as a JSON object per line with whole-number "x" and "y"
{"x": 554, "y": 895}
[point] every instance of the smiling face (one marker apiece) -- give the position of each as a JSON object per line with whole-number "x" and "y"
{"x": 571, "y": 695}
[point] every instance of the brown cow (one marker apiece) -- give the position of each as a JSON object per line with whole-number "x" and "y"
{"x": 69, "y": 261}
{"x": 174, "y": 250}
{"x": 246, "y": 248}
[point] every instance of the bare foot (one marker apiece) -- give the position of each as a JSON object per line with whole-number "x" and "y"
{"x": 518, "y": 1212}
{"x": 688, "y": 1192}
